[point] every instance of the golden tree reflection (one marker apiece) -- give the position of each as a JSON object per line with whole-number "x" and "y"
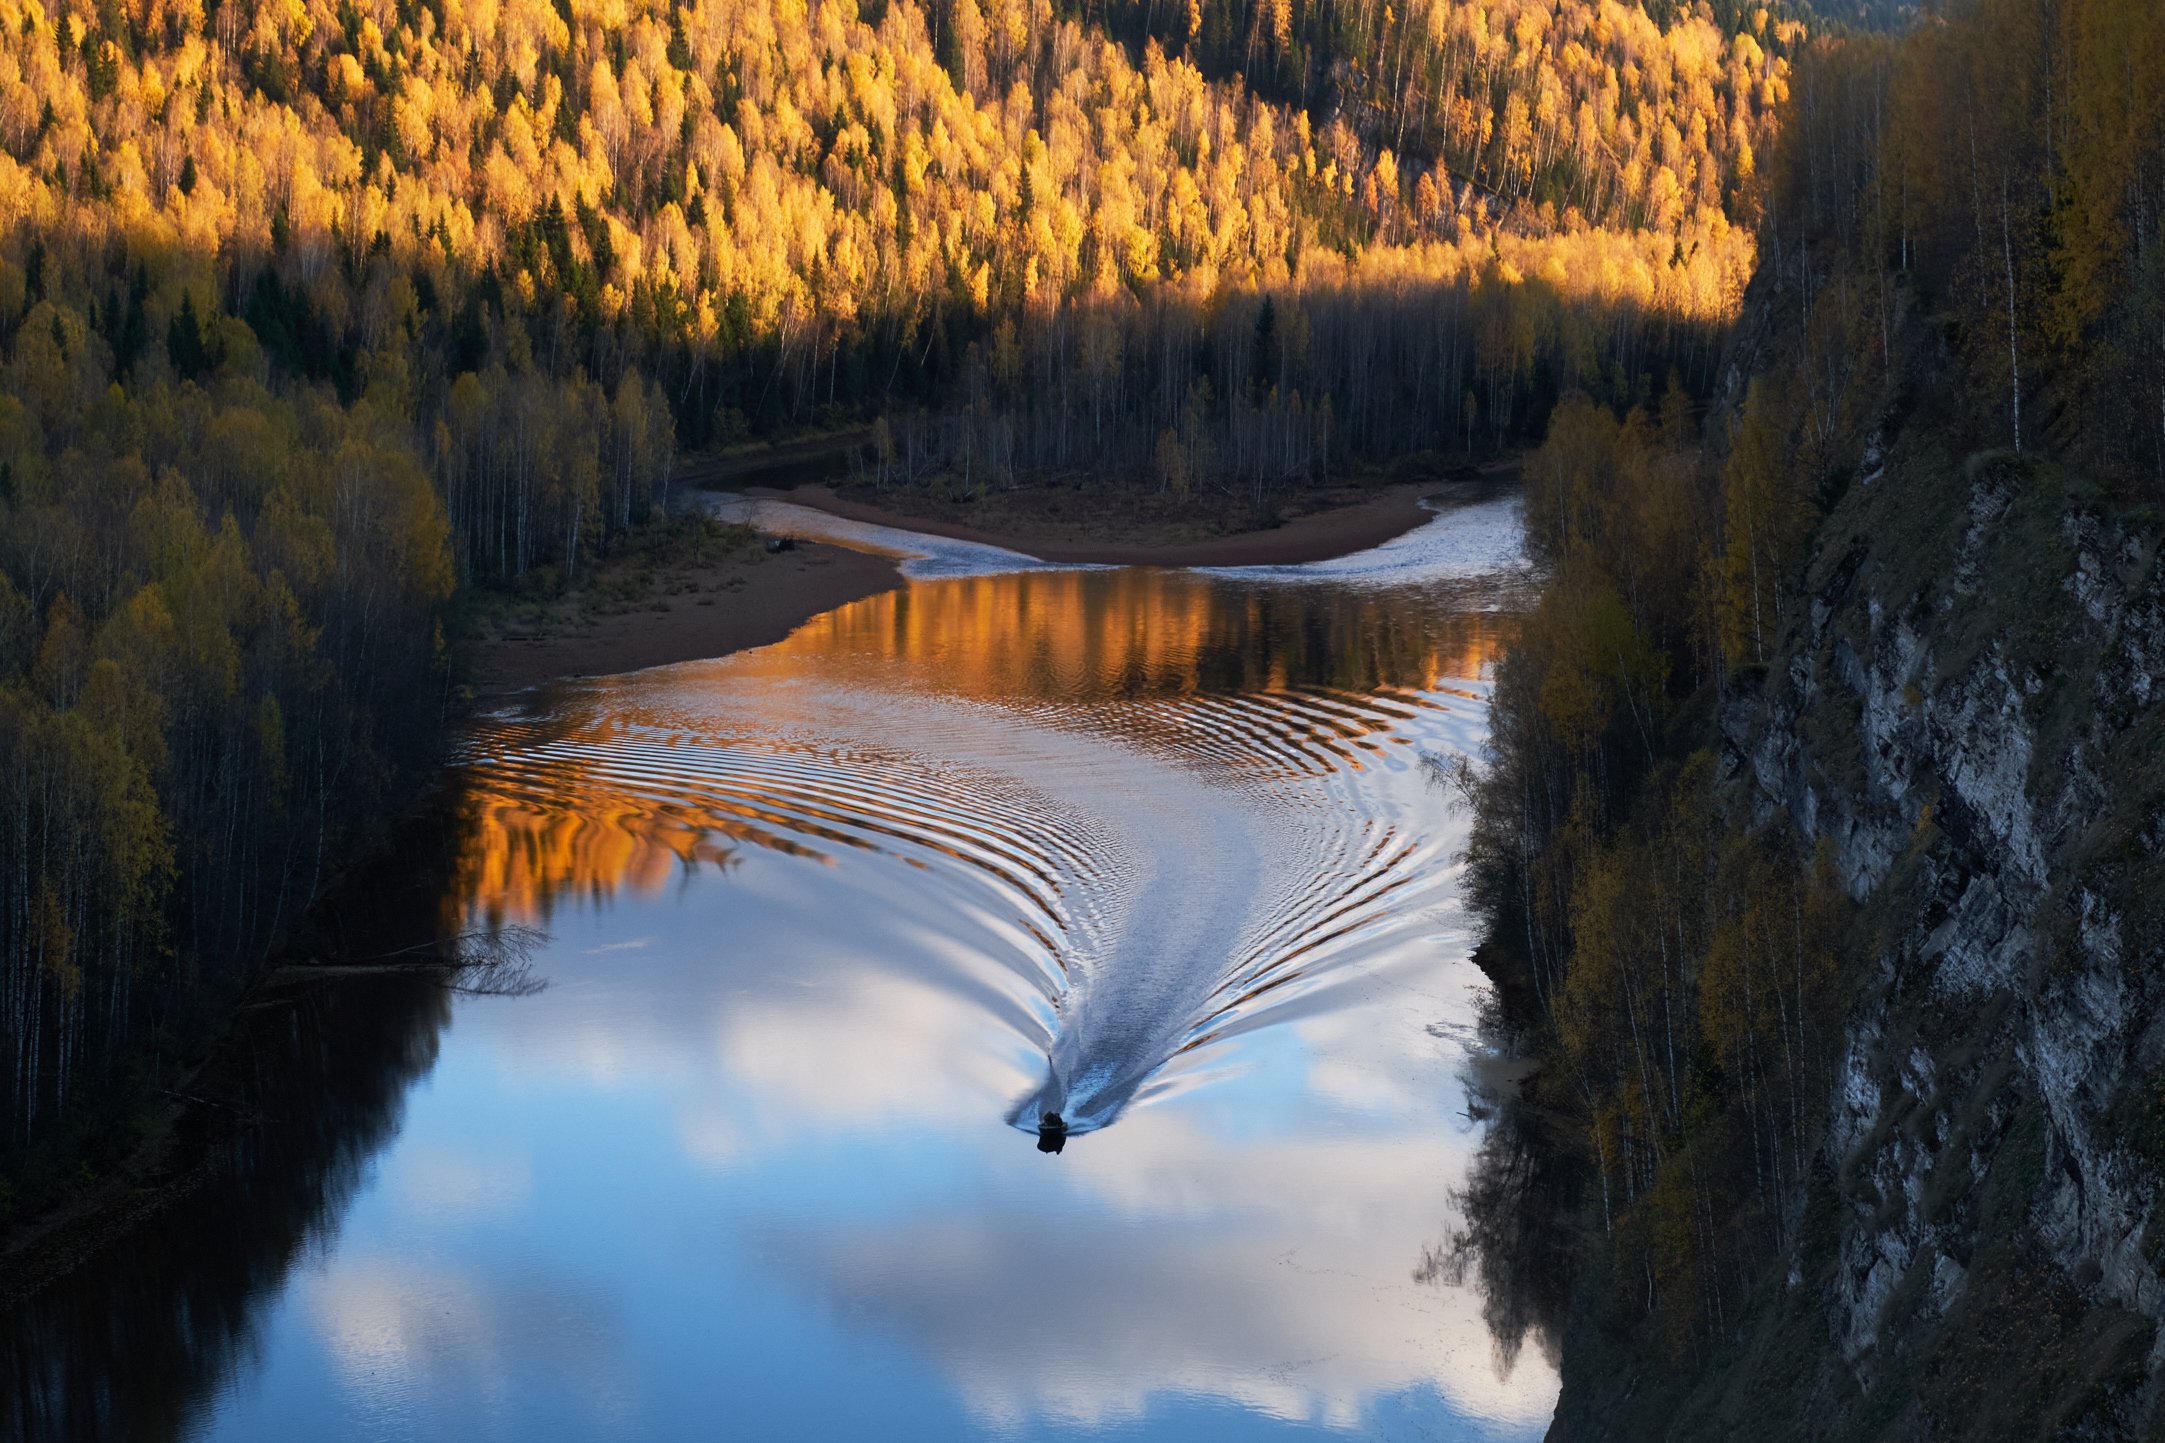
{"x": 1264, "y": 680}
{"x": 1090, "y": 635}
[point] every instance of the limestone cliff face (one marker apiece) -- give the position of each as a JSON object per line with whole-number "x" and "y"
{"x": 1971, "y": 721}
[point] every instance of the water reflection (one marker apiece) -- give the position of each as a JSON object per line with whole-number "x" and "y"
{"x": 1515, "y": 1240}
{"x": 1060, "y": 636}
{"x": 1166, "y": 907}
{"x": 828, "y": 922}
{"x": 1254, "y": 679}
{"x": 134, "y": 1342}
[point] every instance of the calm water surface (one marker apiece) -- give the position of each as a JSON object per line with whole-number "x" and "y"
{"x": 827, "y": 924}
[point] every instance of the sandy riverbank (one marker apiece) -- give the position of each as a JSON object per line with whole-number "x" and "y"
{"x": 671, "y": 607}
{"x": 1055, "y": 524}
{"x": 686, "y": 612}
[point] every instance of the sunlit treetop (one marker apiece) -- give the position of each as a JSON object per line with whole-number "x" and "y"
{"x": 743, "y": 165}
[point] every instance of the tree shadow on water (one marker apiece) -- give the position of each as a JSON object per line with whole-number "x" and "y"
{"x": 137, "y": 1331}
{"x": 1518, "y": 1215}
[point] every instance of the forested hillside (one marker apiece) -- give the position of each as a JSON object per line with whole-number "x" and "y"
{"x": 790, "y": 214}
{"x": 311, "y": 313}
{"x": 1819, "y": 843}
{"x": 1626, "y": 115}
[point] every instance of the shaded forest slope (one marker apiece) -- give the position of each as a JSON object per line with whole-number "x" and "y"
{"x": 1821, "y": 842}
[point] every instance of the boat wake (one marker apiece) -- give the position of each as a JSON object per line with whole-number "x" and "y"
{"x": 1157, "y": 875}
{"x": 1177, "y": 807}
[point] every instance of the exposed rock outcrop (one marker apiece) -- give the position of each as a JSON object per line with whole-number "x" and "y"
{"x": 1971, "y": 723}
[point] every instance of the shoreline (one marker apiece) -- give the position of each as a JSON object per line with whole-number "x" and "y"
{"x": 748, "y": 598}
{"x": 213, "y": 1101}
{"x": 1340, "y": 527}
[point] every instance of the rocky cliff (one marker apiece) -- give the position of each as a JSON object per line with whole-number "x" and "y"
{"x": 1970, "y": 721}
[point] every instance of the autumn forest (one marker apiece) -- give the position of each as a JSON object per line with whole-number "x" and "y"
{"x": 320, "y": 320}
{"x": 315, "y": 314}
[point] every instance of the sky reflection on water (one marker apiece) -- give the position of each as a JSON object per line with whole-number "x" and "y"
{"x": 822, "y": 917}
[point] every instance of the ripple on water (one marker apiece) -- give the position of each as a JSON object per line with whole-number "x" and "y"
{"x": 1167, "y": 848}
{"x": 1180, "y": 865}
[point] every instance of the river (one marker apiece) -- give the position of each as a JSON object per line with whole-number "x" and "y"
{"x": 824, "y": 928}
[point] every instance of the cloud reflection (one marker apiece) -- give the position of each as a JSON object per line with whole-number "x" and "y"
{"x": 1271, "y": 1268}
{"x": 420, "y": 1338}
{"x": 1253, "y": 1242}
{"x": 446, "y": 1183}
{"x": 831, "y": 1047}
